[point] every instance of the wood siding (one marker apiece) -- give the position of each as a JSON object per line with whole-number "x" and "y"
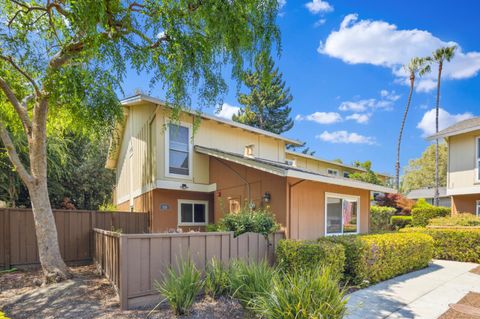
{"x": 133, "y": 262}
{"x": 18, "y": 242}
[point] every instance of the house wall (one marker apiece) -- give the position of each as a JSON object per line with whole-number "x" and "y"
{"x": 461, "y": 163}
{"x": 232, "y": 180}
{"x": 307, "y": 207}
{"x": 464, "y": 203}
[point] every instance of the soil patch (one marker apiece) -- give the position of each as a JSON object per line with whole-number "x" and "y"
{"x": 476, "y": 271}
{"x": 470, "y": 299}
{"x": 88, "y": 295}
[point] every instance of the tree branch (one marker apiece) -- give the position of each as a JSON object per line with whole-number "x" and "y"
{"x": 22, "y": 112}
{"x": 13, "y": 155}
{"x": 10, "y": 60}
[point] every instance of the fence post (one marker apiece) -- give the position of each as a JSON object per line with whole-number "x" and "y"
{"x": 7, "y": 241}
{"x": 123, "y": 272}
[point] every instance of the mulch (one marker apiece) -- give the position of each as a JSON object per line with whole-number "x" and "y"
{"x": 88, "y": 295}
{"x": 471, "y": 299}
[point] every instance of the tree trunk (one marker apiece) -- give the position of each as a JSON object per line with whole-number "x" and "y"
{"x": 437, "y": 107}
{"x": 397, "y": 166}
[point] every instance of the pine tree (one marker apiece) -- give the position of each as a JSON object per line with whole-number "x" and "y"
{"x": 266, "y": 106}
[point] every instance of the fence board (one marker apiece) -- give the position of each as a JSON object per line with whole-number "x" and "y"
{"x": 18, "y": 242}
{"x": 140, "y": 259}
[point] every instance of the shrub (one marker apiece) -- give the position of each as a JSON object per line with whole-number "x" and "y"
{"x": 380, "y": 217}
{"x": 459, "y": 244}
{"x": 422, "y": 203}
{"x": 314, "y": 293}
{"x": 216, "y": 279}
{"x": 382, "y": 256}
{"x": 259, "y": 221}
{"x": 248, "y": 281}
{"x": 301, "y": 255}
{"x": 421, "y": 215}
{"x": 399, "y": 222}
{"x": 463, "y": 219}
{"x": 181, "y": 287}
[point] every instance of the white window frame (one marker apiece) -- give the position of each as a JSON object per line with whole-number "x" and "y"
{"x": 347, "y": 197}
{"x": 333, "y": 170}
{"x": 190, "y": 151}
{"x": 188, "y": 201}
{"x": 477, "y": 208}
{"x": 477, "y": 160}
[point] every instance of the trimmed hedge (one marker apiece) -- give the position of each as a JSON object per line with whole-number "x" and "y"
{"x": 295, "y": 255}
{"x": 421, "y": 215}
{"x": 374, "y": 258}
{"x": 463, "y": 219}
{"x": 459, "y": 244}
{"x": 380, "y": 217}
{"x": 399, "y": 222}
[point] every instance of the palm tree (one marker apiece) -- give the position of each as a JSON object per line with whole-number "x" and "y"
{"x": 438, "y": 57}
{"x": 415, "y": 65}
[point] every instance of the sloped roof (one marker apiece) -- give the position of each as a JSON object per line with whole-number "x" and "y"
{"x": 283, "y": 169}
{"x": 427, "y": 193}
{"x": 461, "y": 127}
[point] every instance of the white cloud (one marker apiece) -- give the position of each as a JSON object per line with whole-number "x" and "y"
{"x": 318, "y": 6}
{"x": 320, "y": 23}
{"x": 281, "y": 3}
{"x": 385, "y": 102}
{"x": 227, "y": 111}
{"x": 359, "y": 118}
{"x": 321, "y": 117}
{"x": 383, "y": 44}
{"x": 357, "y": 106}
{"x": 445, "y": 119}
{"x": 345, "y": 137}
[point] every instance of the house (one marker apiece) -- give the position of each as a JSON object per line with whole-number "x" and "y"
{"x": 188, "y": 175}
{"x": 429, "y": 195}
{"x": 463, "y": 174}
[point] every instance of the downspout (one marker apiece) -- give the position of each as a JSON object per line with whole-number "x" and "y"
{"x": 241, "y": 177}
{"x": 289, "y": 208}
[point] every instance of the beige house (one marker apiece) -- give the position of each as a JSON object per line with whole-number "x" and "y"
{"x": 190, "y": 172}
{"x": 463, "y": 173}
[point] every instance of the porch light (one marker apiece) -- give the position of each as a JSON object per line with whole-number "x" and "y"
{"x": 267, "y": 197}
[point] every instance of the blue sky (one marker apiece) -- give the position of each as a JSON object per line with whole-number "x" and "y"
{"x": 342, "y": 61}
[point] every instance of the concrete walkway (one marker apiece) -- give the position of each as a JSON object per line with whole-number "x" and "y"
{"x": 421, "y": 294}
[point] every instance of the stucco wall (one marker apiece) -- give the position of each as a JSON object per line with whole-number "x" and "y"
{"x": 461, "y": 165}
{"x": 307, "y": 203}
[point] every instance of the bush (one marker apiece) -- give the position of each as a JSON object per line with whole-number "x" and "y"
{"x": 382, "y": 256}
{"x": 459, "y": 244}
{"x": 421, "y": 215}
{"x": 422, "y": 203}
{"x": 216, "y": 279}
{"x": 303, "y": 295}
{"x": 248, "y": 281}
{"x": 464, "y": 219}
{"x": 380, "y": 217}
{"x": 181, "y": 287}
{"x": 256, "y": 221}
{"x": 295, "y": 255}
{"x": 399, "y": 222}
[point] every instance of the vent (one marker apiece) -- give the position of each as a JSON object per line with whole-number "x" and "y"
{"x": 292, "y": 163}
{"x": 248, "y": 151}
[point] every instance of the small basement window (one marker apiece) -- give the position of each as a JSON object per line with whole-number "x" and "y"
{"x": 192, "y": 213}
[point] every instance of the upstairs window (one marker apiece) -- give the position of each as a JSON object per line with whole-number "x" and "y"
{"x": 332, "y": 172}
{"x": 179, "y": 151}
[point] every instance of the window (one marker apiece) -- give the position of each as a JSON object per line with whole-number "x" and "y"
{"x": 179, "y": 151}
{"x": 477, "y": 211}
{"x": 346, "y": 174}
{"x": 341, "y": 214}
{"x": 332, "y": 172}
{"x": 477, "y": 159}
{"x": 192, "y": 213}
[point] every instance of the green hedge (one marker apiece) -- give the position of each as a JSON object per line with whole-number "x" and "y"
{"x": 421, "y": 215}
{"x": 295, "y": 255}
{"x": 463, "y": 219}
{"x": 382, "y": 256}
{"x": 399, "y": 222}
{"x": 459, "y": 244}
{"x": 380, "y": 217}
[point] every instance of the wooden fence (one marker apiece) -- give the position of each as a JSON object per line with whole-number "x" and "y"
{"x": 18, "y": 242}
{"x": 132, "y": 262}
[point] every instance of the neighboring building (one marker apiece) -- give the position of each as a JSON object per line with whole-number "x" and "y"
{"x": 463, "y": 173}
{"x": 188, "y": 179}
{"x": 429, "y": 195}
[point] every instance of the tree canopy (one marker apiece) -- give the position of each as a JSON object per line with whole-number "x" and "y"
{"x": 368, "y": 176}
{"x": 420, "y": 172}
{"x": 266, "y": 105}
